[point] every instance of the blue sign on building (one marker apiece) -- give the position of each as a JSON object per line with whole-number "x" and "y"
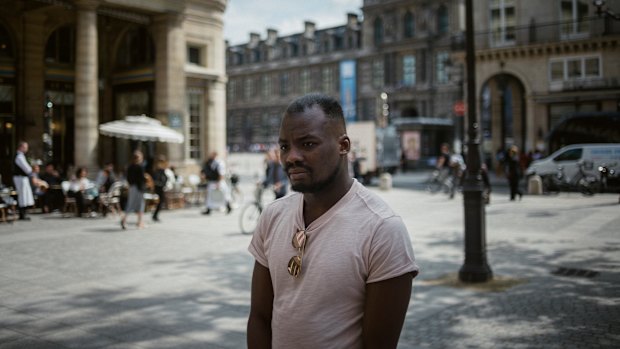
{"x": 348, "y": 93}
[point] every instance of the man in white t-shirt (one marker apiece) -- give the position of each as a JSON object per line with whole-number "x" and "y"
{"x": 334, "y": 264}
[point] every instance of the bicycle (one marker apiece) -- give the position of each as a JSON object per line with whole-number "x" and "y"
{"x": 440, "y": 180}
{"x": 252, "y": 211}
{"x": 235, "y": 193}
{"x": 582, "y": 182}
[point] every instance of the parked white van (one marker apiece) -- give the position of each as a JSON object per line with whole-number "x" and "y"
{"x": 569, "y": 157}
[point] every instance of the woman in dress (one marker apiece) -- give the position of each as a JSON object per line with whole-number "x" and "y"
{"x": 135, "y": 198}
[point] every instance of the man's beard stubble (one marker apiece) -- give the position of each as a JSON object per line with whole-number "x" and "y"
{"x": 316, "y": 186}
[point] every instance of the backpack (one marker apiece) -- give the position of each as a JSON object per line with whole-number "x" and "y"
{"x": 210, "y": 171}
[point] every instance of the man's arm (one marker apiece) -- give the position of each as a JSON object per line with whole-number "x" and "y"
{"x": 384, "y": 311}
{"x": 259, "y": 323}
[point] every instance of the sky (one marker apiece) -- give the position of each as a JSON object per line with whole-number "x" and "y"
{"x": 286, "y": 16}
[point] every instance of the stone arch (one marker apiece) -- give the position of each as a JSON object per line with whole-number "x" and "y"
{"x": 503, "y": 111}
{"x": 139, "y": 40}
{"x": 60, "y": 44}
{"x": 7, "y": 42}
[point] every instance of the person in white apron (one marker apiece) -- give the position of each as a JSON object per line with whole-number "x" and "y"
{"x": 218, "y": 193}
{"x": 21, "y": 178}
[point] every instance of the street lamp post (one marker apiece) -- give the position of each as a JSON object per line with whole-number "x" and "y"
{"x": 475, "y": 267}
{"x": 48, "y": 115}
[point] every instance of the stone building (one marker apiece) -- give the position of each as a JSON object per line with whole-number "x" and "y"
{"x": 402, "y": 50}
{"x": 94, "y": 61}
{"x": 536, "y": 63}
{"x": 540, "y": 61}
{"x": 265, "y": 75}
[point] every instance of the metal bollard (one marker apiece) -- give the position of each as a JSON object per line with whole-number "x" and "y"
{"x": 385, "y": 181}
{"x": 534, "y": 185}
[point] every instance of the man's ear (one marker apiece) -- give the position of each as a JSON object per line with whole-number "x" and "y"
{"x": 345, "y": 144}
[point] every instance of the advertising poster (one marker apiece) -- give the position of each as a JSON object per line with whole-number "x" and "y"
{"x": 411, "y": 144}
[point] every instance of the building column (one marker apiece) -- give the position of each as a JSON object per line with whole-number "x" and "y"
{"x": 215, "y": 118}
{"x": 33, "y": 88}
{"x": 170, "y": 82}
{"x": 86, "y": 85}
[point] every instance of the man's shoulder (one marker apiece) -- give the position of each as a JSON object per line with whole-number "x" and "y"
{"x": 372, "y": 203}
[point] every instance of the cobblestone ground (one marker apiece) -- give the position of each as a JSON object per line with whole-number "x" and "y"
{"x": 184, "y": 283}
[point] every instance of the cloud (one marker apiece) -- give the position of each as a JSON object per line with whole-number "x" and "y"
{"x": 245, "y": 16}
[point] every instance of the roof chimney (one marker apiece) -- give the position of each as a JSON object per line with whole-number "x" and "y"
{"x": 254, "y": 39}
{"x": 272, "y": 36}
{"x": 309, "y": 29}
{"x": 352, "y": 20}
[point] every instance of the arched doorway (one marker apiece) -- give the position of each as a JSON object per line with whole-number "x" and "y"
{"x": 502, "y": 115}
{"x": 59, "y": 90}
{"x": 7, "y": 105}
{"x": 132, "y": 87}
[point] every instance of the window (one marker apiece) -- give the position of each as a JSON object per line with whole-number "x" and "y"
{"x": 442, "y": 20}
{"x": 266, "y": 88}
{"x": 60, "y": 47}
{"x": 409, "y": 70}
{"x": 408, "y": 25}
{"x": 574, "y": 68}
{"x": 136, "y": 49}
{"x": 570, "y": 155}
{"x": 248, "y": 86}
{"x": 232, "y": 90}
{"x": 6, "y": 49}
{"x": 327, "y": 79}
{"x": 194, "y": 125}
{"x": 194, "y": 55}
{"x": 7, "y": 99}
{"x": 573, "y": 14}
{"x": 378, "y": 31}
{"x": 503, "y": 20}
{"x": 305, "y": 81}
{"x": 283, "y": 84}
{"x": 440, "y": 67}
{"x": 377, "y": 73}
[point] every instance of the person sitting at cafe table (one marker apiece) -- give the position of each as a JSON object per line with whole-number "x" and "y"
{"x": 85, "y": 192}
{"x": 52, "y": 200}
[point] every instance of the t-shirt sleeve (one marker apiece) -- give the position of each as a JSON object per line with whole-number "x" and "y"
{"x": 391, "y": 252}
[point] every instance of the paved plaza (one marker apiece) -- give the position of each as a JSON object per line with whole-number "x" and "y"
{"x": 184, "y": 283}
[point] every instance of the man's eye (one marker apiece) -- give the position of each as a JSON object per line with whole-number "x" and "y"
{"x": 283, "y": 147}
{"x": 309, "y": 144}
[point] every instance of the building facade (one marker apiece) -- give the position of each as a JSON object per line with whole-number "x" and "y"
{"x": 536, "y": 63}
{"x": 67, "y": 66}
{"x": 540, "y": 61}
{"x": 265, "y": 75}
{"x": 402, "y": 50}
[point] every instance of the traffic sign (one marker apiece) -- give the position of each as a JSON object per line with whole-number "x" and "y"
{"x": 459, "y": 108}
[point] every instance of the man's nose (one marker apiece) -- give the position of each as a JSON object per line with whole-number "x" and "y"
{"x": 294, "y": 155}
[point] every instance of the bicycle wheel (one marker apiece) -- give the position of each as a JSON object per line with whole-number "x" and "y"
{"x": 249, "y": 218}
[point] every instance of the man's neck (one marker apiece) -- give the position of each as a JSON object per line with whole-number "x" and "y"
{"x": 316, "y": 204}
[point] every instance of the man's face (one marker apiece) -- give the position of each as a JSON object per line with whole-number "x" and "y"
{"x": 310, "y": 150}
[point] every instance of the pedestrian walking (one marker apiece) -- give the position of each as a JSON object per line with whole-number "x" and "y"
{"x": 513, "y": 172}
{"x": 218, "y": 193}
{"x": 137, "y": 184}
{"x": 161, "y": 183}
{"x": 334, "y": 264}
{"x": 21, "y": 178}
{"x": 275, "y": 175}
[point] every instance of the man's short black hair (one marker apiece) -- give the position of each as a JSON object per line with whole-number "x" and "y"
{"x": 330, "y": 106}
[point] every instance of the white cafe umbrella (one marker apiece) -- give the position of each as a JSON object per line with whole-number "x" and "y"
{"x": 140, "y": 128}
